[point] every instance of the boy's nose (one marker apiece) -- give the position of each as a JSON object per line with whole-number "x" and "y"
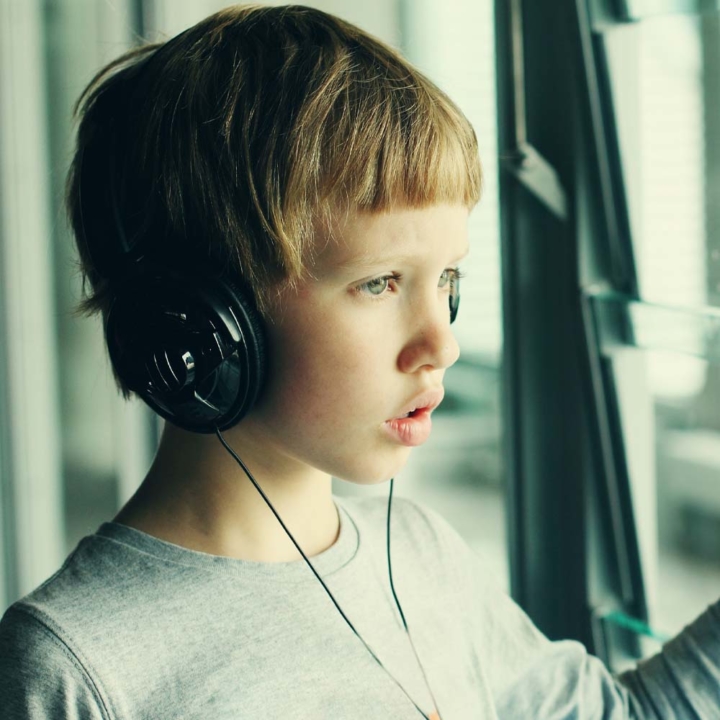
{"x": 433, "y": 344}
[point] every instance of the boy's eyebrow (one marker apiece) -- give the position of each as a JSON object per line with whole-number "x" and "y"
{"x": 362, "y": 261}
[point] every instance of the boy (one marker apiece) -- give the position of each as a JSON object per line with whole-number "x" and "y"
{"x": 270, "y": 209}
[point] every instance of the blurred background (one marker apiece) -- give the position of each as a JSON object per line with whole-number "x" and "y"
{"x": 637, "y": 301}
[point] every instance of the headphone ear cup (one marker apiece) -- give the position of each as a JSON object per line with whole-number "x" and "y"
{"x": 193, "y": 348}
{"x": 255, "y": 334}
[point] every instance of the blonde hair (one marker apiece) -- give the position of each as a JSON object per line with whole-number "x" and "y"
{"x": 232, "y": 140}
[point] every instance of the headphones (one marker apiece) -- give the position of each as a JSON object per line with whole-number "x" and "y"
{"x": 190, "y": 343}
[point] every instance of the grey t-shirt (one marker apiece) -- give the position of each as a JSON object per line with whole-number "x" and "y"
{"x": 133, "y": 627}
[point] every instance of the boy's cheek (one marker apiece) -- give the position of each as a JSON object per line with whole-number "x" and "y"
{"x": 329, "y": 342}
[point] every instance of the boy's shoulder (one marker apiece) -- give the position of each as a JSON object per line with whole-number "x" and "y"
{"x": 45, "y": 634}
{"x": 96, "y": 575}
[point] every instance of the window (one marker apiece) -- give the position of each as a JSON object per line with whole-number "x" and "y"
{"x": 664, "y": 71}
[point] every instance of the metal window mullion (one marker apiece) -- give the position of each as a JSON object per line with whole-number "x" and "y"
{"x": 545, "y": 419}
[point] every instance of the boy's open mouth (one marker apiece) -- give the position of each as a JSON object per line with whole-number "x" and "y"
{"x": 412, "y": 413}
{"x": 412, "y": 426}
{"x": 421, "y": 404}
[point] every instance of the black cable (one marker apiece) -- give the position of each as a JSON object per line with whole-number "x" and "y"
{"x": 387, "y": 535}
{"x": 397, "y": 601}
{"x": 310, "y": 565}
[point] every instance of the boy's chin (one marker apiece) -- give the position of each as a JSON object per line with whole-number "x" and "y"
{"x": 376, "y": 473}
{"x": 365, "y": 480}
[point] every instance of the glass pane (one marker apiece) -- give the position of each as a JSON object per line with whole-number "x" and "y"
{"x": 665, "y": 74}
{"x": 637, "y": 9}
{"x": 689, "y": 331}
{"x": 672, "y": 436}
{"x": 666, "y": 365}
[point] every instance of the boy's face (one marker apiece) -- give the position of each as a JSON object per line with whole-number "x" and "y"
{"x": 358, "y": 344}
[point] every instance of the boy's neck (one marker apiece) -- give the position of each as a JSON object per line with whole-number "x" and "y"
{"x": 196, "y": 496}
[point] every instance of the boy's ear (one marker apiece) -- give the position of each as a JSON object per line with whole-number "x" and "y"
{"x": 193, "y": 348}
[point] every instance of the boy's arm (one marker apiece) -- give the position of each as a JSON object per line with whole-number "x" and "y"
{"x": 548, "y": 680}
{"x": 684, "y": 678}
{"x": 532, "y": 677}
{"x": 40, "y": 678}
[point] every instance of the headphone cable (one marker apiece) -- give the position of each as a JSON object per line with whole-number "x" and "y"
{"x": 397, "y": 602}
{"x": 310, "y": 565}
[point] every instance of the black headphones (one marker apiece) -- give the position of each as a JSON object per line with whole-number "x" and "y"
{"x": 190, "y": 343}
{"x": 192, "y": 346}
{"x": 187, "y": 340}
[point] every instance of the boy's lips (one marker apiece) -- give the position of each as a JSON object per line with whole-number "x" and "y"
{"x": 413, "y": 425}
{"x": 427, "y": 400}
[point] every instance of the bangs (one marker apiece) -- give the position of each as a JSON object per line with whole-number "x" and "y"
{"x": 382, "y": 136}
{"x": 414, "y": 154}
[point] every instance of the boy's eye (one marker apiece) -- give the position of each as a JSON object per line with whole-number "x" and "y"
{"x": 449, "y": 278}
{"x": 377, "y": 286}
